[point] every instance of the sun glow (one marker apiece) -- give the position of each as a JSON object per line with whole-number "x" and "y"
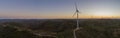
{"x": 103, "y": 13}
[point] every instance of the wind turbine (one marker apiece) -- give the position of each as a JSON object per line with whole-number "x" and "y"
{"x": 77, "y": 20}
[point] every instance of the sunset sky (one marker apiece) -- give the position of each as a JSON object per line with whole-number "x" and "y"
{"x": 58, "y": 9}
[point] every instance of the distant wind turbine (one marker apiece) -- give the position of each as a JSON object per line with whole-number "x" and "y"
{"x": 77, "y": 20}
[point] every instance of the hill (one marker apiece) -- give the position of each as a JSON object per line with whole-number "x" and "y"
{"x": 61, "y": 28}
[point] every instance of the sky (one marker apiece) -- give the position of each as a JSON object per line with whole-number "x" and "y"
{"x": 58, "y": 9}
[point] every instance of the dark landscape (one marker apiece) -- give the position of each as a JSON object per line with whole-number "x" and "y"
{"x": 59, "y": 28}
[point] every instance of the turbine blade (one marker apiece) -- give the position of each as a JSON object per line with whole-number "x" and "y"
{"x": 74, "y": 14}
{"x": 76, "y": 7}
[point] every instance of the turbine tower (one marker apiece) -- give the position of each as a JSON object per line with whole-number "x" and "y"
{"x": 77, "y": 20}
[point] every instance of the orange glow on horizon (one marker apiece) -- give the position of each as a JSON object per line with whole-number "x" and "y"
{"x": 63, "y": 17}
